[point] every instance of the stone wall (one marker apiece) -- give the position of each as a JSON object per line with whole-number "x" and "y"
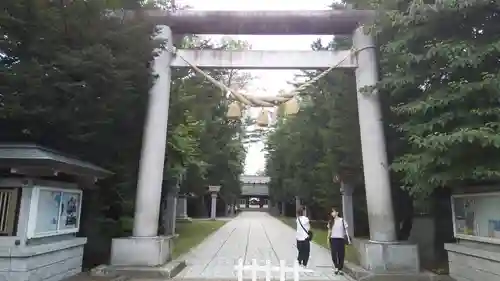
{"x": 46, "y": 262}
{"x": 422, "y": 234}
{"x": 474, "y": 261}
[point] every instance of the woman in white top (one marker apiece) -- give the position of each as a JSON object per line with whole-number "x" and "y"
{"x": 337, "y": 238}
{"x": 302, "y": 236}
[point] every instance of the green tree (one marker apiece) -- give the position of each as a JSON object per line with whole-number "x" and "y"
{"x": 76, "y": 79}
{"x": 440, "y": 73}
{"x": 307, "y": 151}
{"x": 220, "y": 154}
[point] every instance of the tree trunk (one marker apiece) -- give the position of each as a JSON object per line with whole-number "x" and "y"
{"x": 204, "y": 211}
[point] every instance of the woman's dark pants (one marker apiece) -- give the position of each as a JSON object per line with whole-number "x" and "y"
{"x": 304, "y": 247}
{"x": 337, "y": 248}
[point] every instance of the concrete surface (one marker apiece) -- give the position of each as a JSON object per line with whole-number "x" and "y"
{"x": 401, "y": 257}
{"x": 138, "y": 273}
{"x": 46, "y": 262}
{"x": 252, "y": 235}
{"x": 312, "y": 22}
{"x": 141, "y": 251}
{"x": 259, "y": 59}
{"x": 474, "y": 261}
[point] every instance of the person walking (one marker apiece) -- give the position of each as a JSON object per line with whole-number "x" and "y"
{"x": 303, "y": 236}
{"x": 337, "y": 238}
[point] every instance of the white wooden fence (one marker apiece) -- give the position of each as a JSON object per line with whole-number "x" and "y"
{"x": 254, "y": 268}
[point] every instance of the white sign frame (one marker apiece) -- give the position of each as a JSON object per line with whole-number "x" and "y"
{"x": 466, "y": 236}
{"x": 33, "y": 212}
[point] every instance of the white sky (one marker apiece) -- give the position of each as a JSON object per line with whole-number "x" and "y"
{"x": 266, "y": 82}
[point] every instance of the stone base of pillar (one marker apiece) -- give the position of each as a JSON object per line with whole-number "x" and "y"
{"x": 164, "y": 272}
{"x": 388, "y": 262}
{"x": 141, "y": 257}
{"x": 184, "y": 219}
{"x": 141, "y": 251}
{"x": 383, "y": 258}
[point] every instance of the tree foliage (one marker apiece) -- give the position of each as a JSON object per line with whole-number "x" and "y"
{"x": 441, "y": 73}
{"x": 306, "y": 152}
{"x": 75, "y": 77}
{"x": 439, "y": 90}
{"x": 220, "y": 154}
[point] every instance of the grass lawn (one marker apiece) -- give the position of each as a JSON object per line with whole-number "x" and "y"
{"x": 320, "y": 233}
{"x": 193, "y": 233}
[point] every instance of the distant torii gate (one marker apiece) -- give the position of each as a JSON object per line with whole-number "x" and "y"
{"x": 145, "y": 248}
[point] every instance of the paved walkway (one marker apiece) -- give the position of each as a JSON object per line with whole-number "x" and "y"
{"x": 253, "y": 235}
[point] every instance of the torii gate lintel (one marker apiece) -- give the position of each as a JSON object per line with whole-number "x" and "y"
{"x": 313, "y": 22}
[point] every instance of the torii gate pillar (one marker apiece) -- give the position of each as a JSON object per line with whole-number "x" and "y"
{"x": 382, "y": 253}
{"x": 373, "y": 147}
{"x": 146, "y": 247}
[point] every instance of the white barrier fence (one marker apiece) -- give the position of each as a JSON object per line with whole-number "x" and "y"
{"x": 254, "y": 268}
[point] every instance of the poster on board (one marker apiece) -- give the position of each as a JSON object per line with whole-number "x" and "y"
{"x": 69, "y": 210}
{"x": 48, "y": 211}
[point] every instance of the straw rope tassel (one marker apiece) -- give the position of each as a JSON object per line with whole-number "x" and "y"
{"x": 291, "y": 107}
{"x": 234, "y": 110}
{"x": 263, "y": 119}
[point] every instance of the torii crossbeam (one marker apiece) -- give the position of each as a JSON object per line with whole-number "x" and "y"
{"x": 315, "y": 22}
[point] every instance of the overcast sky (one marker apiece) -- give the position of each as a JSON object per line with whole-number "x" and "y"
{"x": 267, "y": 82}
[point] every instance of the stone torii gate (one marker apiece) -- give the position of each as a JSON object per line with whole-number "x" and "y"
{"x": 382, "y": 252}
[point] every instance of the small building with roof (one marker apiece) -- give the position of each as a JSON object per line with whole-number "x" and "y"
{"x": 41, "y": 194}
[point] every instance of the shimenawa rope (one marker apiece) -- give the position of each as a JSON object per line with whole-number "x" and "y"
{"x": 262, "y": 101}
